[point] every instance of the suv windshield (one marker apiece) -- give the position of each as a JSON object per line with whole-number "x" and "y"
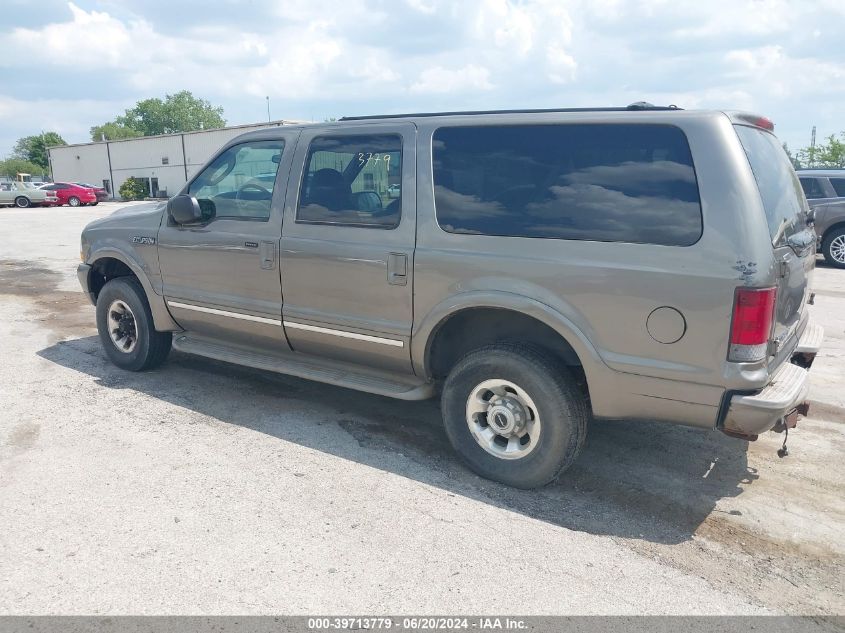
{"x": 779, "y": 187}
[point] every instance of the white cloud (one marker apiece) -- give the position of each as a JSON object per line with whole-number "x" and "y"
{"x": 90, "y": 39}
{"x": 562, "y": 66}
{"x": 332, "y": 57}
{"x": 441, "y": 80}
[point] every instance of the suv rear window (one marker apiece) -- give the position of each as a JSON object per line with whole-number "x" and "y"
{"x": 610, "y": 183}
{"x": 779, "y": 187}
{"x": 838, "y": 186}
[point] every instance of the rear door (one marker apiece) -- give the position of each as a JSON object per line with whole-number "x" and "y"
{"x": 786, "y": 212}
{"x": 348, "y": 244}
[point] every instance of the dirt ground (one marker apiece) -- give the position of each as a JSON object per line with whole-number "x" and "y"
{"x": 203, "y": 487}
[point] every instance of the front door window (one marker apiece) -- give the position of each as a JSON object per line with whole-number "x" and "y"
{"x": 239, "y": 183}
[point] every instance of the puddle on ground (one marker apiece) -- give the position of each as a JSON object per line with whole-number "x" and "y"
{"x": 65, "y": 313}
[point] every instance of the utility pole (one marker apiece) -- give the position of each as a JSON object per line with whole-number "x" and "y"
{"x": 268, "y": 108}
{"x": 813, "y": 148}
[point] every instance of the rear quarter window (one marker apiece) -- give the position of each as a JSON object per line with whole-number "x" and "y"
{"x": 611, "y": 182}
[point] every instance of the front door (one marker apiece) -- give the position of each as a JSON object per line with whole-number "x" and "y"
{"x": 347, "y": 245}
{"x": 221, "y": 277}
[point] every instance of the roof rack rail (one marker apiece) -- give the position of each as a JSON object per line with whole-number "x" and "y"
{"x": 638, "y": 106}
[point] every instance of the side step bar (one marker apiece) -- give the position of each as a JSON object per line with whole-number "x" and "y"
{"x": 313, "y": 368}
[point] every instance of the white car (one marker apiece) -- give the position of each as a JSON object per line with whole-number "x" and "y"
{"x": 23, "y": 195}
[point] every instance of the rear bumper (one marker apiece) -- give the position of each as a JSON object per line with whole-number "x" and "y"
{"x": 783, "y": 398}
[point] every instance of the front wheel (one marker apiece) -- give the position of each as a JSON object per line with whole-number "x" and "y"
{"x": 74, "y": 201}
{"x": 125, "y": 325}
{"x": 514, "y": 415}
{"x": 94, "y": 204}
{"x": 22, "y": 202}
{"x": 833, "y": 248}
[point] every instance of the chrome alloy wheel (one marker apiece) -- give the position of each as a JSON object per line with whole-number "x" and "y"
{"x": 503, "y": 419}
{"x": 837, "y": 249}
{"x": 122, "y": 328}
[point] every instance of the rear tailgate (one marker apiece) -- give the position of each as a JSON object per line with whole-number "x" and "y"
{"x": 792, "y": 240}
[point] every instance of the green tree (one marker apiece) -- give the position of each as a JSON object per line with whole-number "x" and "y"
{"x": 11, "y": 167}
{"x": 180, "y": 112}
{"x": 112, "y": 132}
{"x": 830, "y": 153}
{"x": 34, "y": 148}
{"x": 133, "y": 189}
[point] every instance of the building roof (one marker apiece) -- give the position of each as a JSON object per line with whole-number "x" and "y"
{"x": 268, "y": 124}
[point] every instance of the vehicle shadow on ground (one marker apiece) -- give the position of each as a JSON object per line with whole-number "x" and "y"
{"x": 642, "y": 480}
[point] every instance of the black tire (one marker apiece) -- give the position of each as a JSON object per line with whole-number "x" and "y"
{"x": 152, "y": 347}
{"x": 559, "y": 402}
{"x": 838, "y": 236}
{"x": 73, "y": 201}
{"x": 94, "y": 204}
{"x": 22, "y": 202}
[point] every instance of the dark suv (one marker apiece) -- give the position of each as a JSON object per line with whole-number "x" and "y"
{"x": 825, "y": 191}
{"x": 537, "y": 269}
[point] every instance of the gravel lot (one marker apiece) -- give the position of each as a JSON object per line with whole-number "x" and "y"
{"x": 207, "y": 488}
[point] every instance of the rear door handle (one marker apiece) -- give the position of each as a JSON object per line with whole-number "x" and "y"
{"x": 397, "y": 269}
{"x": 267, "y": 252}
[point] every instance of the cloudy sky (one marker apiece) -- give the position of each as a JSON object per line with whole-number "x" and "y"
{"x": 69, "y": 65}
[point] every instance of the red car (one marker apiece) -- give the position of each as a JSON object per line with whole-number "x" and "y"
{"x": 100, "y": 192}
{"x": 72, "y": 194}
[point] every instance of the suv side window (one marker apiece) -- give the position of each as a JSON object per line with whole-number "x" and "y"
{"x": 838, "y": 186}
{"x": 813, "y": 188}
{"x": 352, "y": 180}
{"x": 610, "y": 183}
{"x": 238, "y": 184}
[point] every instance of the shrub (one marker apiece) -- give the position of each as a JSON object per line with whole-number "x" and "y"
{"x": 133, "y": 189}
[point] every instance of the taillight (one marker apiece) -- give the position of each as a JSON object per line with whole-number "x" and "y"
{"x": 754, "y": 309}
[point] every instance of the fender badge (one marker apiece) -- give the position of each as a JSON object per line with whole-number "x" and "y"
{"x": 139, "y": 239}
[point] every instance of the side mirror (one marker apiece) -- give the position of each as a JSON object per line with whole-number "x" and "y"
{"x": 184, "y": 209}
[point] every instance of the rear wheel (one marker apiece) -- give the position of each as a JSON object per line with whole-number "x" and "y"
{"x": 514, "y": 415}
{"x": 833, "y": 248}
{"x": 74, "y": 201}
{"x": 22, "y": 202}
{"x": 125, "y": 325}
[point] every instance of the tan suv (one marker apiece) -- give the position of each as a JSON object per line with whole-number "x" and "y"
{"x": 538, "y": 269}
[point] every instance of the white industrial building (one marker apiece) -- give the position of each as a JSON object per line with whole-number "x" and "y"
{"x": 166, "y": 161}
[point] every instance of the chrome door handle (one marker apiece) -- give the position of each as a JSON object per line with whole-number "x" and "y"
{"x": 397, "y": 269}
{"x": 267, "y": 252}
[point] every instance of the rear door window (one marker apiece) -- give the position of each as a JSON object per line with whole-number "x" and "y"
{"x": 610, "y": 183}
{"x": 779, "y": 187}
{"x": 352, "y": 180}
{"x": 838, "y": 186}
{"x": 813, "y": 188}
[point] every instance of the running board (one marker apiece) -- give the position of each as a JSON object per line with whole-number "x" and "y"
{"x": 332, "y": 372}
